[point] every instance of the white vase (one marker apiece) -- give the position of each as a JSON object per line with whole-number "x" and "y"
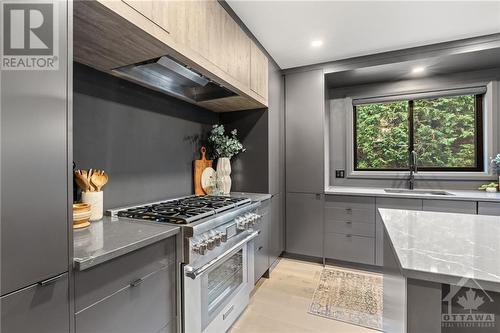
{"x": 224, "y": 174}
{"x": 95, "y": 199}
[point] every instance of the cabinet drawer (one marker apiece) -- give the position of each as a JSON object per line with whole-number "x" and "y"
{"x": 350, "y": 248}
{"x": 105, "y": 279}
{"x": 488, "y": 208}
{"x": 344, "y": 201}
{"x": 449, "y": 206}
{"x": 352, "y": 228}
{"x": 350, "y": 214}
{"x": 261, "y": 261}
{"x": 146, "y": 307}
{"x": 40, "y": 309}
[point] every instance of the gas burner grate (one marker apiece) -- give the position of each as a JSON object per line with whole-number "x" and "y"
{"x": 183, "y": 211}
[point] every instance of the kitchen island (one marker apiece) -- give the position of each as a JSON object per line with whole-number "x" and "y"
{"x": 428, "y": 257}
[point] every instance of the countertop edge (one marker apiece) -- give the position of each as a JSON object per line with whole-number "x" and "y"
{"x": 436, "y": 277}
{"x": 83, "y": 264}
{"x": 255, "y": 197}
{"x": 449, "y": 279}
{"x": 378, "y": 192}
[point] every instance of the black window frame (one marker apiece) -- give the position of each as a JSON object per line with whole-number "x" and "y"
{"x": 479, "y": 140}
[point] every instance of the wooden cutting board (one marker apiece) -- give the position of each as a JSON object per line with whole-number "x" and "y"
{"x": 199, "y": 166}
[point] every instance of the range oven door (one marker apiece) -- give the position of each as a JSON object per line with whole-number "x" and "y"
{"x": 217, "y": 293}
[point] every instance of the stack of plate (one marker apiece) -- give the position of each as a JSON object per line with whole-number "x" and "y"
{"x": 81, "y": 215}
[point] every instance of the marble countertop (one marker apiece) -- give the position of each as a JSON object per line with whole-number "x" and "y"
{"x": 113, "y": 237}
{"x": 255, "y": 197}
{"x": 466, "y": 195}
{"x": 445, "y": 247}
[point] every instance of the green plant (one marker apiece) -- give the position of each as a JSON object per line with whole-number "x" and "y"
{"x": 490, "y": 185}
{"x": 444, "y": 133}
{"x": 224, "y": 145}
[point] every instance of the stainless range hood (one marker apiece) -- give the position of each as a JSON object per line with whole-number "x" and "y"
{"x": 173, "y": 78}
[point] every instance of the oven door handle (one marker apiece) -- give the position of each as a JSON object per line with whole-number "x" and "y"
{"x": 192, "y": 273}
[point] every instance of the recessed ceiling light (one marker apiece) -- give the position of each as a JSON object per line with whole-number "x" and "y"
{"x": 316, "y": 43}
{"x": 417, "y": 70}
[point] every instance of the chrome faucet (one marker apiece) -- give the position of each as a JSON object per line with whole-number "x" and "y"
{"x": 413, "y": 169}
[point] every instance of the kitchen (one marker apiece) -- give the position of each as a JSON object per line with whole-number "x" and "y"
{"x": 346, "y": 200}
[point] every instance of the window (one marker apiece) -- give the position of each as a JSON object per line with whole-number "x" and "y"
{"x": 445, "y": 132}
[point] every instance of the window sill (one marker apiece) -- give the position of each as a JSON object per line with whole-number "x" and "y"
{"x": 422, "y": 175}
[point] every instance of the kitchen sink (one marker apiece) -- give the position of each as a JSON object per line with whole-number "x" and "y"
{"x": 423, "y": 192}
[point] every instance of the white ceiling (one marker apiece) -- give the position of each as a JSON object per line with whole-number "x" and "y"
{"x": 355, "y": 28}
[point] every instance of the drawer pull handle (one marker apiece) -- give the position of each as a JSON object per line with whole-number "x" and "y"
{"x": 137, "y": 282}
{"x": 260, "y": 248}
{"x": 225, "y": 315}
{"x": 348, "y": 235}
{"x": 49, "y": 281}
{"x": 348, "y": 222}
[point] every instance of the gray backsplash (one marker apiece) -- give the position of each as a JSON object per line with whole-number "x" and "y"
{"x": 146, "y": 141}
{"x": 250, "y": 170}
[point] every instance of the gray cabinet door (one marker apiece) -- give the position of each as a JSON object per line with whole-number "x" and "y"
{"x": 449, "y": 206}
{"x": 37, "y": 309}
{"x": 488, "y": 208}
{"x": 394, "y": 203}
{"x": 261, "y": 247}
{"x": 276, "y": 244}
{"x": 96, "y": 283}
{"x": 348, "y": 247}
{"x": 35, "y": 169}
{"x": 146, "y": 307}
{"x": 304, "y": 224}
{"x": 304, "y": 121}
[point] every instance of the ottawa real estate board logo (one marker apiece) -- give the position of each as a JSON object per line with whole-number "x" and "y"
{"x": 468, "y": 308}
{"x": 29, "y": 35}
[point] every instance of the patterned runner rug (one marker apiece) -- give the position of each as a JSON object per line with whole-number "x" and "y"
{"x": 352, "y": 296}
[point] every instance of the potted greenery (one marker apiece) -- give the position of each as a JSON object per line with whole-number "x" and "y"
{"x": 224, "y": 147}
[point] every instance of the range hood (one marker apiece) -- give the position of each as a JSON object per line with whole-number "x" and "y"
{"x": 173, "y": 78}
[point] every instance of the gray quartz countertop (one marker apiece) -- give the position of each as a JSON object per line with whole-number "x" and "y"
{"x": 466, "y": 195}
{"x": 445, "y": 247}
{"x": 255, "y": 197}
{"x": 112, "y": 237}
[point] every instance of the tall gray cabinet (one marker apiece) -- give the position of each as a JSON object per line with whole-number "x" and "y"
{"x": 304, "y": 146}
{"x": 34, "y": 193}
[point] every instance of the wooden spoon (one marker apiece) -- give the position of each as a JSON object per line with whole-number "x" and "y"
{"x": 89, "y": 178}
{"x": 82, "y": 181}
{"x": 99, "y": 179}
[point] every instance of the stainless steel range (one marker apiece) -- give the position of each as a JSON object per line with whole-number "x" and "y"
{"x": 217, "y": 255}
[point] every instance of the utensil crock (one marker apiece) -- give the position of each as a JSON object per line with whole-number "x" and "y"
{"x": 95, "y": 199}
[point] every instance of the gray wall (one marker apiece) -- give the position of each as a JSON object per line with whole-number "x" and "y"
{"x": 337, "y": 120}
{"x": 249, "y": 169}
{"x": 146, "y": 141}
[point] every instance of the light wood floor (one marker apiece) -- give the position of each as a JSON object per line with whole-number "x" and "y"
{"x": 280, "y": 304}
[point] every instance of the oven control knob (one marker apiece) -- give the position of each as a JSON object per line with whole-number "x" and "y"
{"x": 217, "y": 239}
{"x": 241, "y": 224}
{"x": 223, "y": 237}
{"x": 210, "y": 244}
{"x": 200, "y": 248}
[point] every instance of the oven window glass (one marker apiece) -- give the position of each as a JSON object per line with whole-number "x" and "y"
{"x": 224, "y": 280}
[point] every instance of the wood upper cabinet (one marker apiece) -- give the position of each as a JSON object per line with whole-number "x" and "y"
{"x": 258, "y": 71}
{"x": 201, "y": 34}
{"x": 157, "y": 11}
{"x": 207, "y": 28}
